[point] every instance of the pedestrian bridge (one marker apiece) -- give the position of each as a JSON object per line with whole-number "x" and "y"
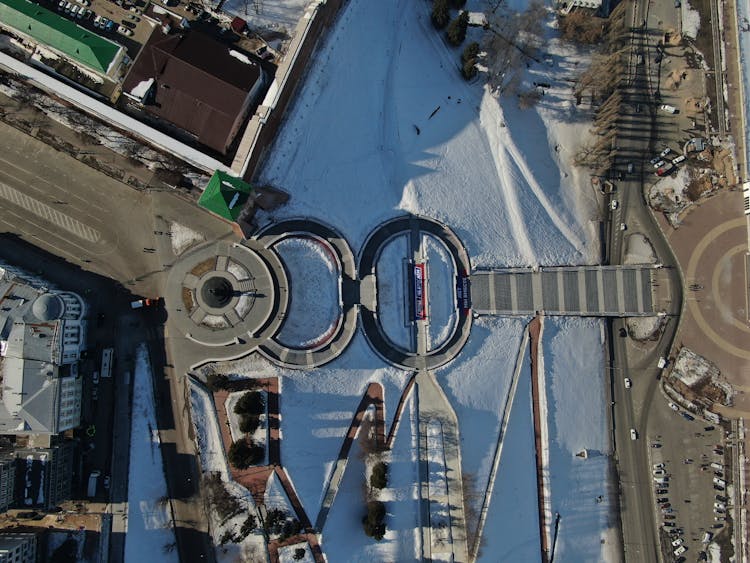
{"x": 596, "y": 291}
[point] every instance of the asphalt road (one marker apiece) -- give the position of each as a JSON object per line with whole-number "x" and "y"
{"x": 631, "y": 409}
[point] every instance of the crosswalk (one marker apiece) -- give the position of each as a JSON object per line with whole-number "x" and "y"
{"x": 49, "y": 214}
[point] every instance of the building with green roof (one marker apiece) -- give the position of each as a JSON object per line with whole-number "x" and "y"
{"x": 41, "y": 26}
{"x": 226, "y": 196}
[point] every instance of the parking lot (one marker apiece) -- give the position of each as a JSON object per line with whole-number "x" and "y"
{"x": 689, "y": 474}
{"x": 120, "y": 21}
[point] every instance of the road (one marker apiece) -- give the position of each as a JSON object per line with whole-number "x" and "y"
{"x": 631, "y": 408}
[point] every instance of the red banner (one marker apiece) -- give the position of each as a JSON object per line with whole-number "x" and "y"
{"x": 420, "y": 307}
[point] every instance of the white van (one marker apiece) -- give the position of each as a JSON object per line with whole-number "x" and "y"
{"x": 707, "y": 537}
{"x": 680, "y": 550}
{"x": 679, "y": 159}
{"x": 633, "y": 434}
{"x": 720, "y": 482}
{"x": 718, "y": 466}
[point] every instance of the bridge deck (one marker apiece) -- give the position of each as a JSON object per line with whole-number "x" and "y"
{"x": 601, "y": 291}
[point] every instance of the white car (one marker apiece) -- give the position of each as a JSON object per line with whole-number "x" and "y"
{"x": 677, "y": 542}
{"x": 674, "y": 407}
{"x": 614, "y": 204}
{"x": 665, "y": 152}
{"x": 658, "y": 466}
{"x": 679, "y": 159}
{"x": 633, "y": 434}
{"x": 659, "y": 164}
{"x": 628, "y": 383}
{"x": 95, "y": 377}
{"x": 124, "y": 30}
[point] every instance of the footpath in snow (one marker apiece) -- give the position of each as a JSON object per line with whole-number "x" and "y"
{"x": 150, "y": 527}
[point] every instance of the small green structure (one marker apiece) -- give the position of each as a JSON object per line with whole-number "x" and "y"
{"x": 225, "y": 196}
{"x": 49, "y": 29}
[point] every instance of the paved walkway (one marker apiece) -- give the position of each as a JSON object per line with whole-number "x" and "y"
{"x": 422, "y": 359}
{"x": 601, "y": 291}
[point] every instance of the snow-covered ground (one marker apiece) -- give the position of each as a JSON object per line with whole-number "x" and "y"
{"x": 392, "y": 292}
{"x": 150, "y": 527}
{"x": 183, "y": 237}
{"x": 317, "y": 408}
{"x": 314, "y": 301}
{"x": 577, "y": 421}
{"x": 743, "y": 21}
{"x": 361, "y": 145}
{"x": 492, "y": 173}
{"x": 276, "y": 14}
{"x": 691, "y": 20}
{"x": 344, "y": 524}
{"x": 207, "y": 433}
{"x": 441, "y": 276}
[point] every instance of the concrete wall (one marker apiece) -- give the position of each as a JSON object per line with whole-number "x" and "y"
{"x": 261, "y": 130}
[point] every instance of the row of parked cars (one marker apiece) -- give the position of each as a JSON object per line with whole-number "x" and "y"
{"x": 663, "y": 164}
{"x": 80, "y": 10}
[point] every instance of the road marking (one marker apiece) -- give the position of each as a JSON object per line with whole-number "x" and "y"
{"x": 47, "y": 213}
{"x": 727, "y": 311}
{"x": 695, "y": 310}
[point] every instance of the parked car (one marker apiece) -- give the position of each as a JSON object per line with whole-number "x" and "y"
{"x": 106, "y": 483}
{"x": 655, "y": 160}
{"x": 674, "y": 407}
{"x": 669, "y": 524}
{"x": 124, "y": 31}
{"x": 680, "y": 550}
{"x": 677, "y": 542}
{"x": 659, "y": 472}
{"x": 678, "y": 159}
{"x": 110, "y": 25}
{"x": 686, "y": 416}
{"x": 659, "y": 164}
{"x": 633, "y": 434}
{"x": 133, "y": 17}
{"x": 628, "y": 383}
{"x": 136, "y": 10}
{"x": 665, "y": 152}
{"x": 614, "y": 204}
{"x": 656, "y": 445}
{"x": 128, "y": 24}
{"x": 61, "y": 4}
{"x": 667, "y": 108}
{"x": 669, "y": 517}
{"x": 662, "y": 499}
{"x": 662, "y": 492}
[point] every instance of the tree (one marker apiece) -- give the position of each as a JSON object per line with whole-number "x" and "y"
{"x": 243, "y": 453}
{"x": 469, "y": 69}
{"x": 379, "y": 476}
{"x": 457, "y": 29}
{"x": 470, "y": 52}
{"x": 249, "y": 423}
{"x": 458, "y": 4}
{"x": 440, "y": 13}
{"x": 252, "y": 403}
{"x": 299, "y": 554}
{"x": 217, "y": 381}
{"x": 374, "y": 521}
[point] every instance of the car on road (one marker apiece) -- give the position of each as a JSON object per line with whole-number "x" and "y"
{"x": 674, "y": 407}
{"x": 667, "y": 108}
{"x": 95, "y": 377}
{"x": 628, "y": 383}
{"x": 614, "y": 204}
{"x": 665, "y": 152}
{"x": 633, "y": 434}
{"x": 630, "y": 167}
{"x": 686, "y": 416}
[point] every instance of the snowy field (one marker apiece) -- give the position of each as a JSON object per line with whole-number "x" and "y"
{"x": 344, "y": 528}
{"x": 317, "y": 408}
{"x": 491, "y": 173}
{"x": 150, "y": 527}
{"x": 441, "y": 275}
{"x": 392, "y": 292}
{"x": 743, "y": 17}
{"x": 361, "y": 145}
{"x": 574, "y": 367}
{"x": 314, "y": 306}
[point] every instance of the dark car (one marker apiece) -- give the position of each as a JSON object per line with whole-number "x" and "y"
{"x": 663, "y": 499}
{"x": 662, "y": 491}
{"x": 686, "y": 416}
{"x": 128, "y": 24}
{"x": 708, "y": 428}
{"x": 721, "y": 498}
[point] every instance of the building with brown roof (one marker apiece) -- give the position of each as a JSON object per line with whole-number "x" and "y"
{"x": 202, "y": 86}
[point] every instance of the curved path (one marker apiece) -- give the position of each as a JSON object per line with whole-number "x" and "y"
{"x": 297, "y": 358}
{"x": 371, "y": 324}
